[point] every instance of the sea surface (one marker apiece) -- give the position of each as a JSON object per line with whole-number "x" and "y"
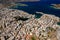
{"x": 41, "y": 6}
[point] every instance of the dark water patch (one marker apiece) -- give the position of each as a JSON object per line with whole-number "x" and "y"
{"x": 58, "y": 23}
{"x": 38, "y": 15}
{"x": 34, "y": 7}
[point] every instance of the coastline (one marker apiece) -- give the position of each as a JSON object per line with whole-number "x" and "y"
{"x": 56, "y": 6}
{"x": 13, "y": 26}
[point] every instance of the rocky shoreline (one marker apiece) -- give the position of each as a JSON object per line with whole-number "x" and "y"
{"x": 19, "y": 25}
{"x": 56, "y": 6}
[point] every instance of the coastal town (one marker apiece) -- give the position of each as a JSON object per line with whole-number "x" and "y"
{"x": 19, "y": 25}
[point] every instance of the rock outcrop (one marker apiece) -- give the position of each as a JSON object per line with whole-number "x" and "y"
{"x": 56, "y": 6}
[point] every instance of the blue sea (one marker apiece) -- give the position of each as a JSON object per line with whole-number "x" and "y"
{"x": 41, "y": 6}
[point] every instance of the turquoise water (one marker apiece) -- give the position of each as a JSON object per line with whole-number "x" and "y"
{"x": 34, "y": 7}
